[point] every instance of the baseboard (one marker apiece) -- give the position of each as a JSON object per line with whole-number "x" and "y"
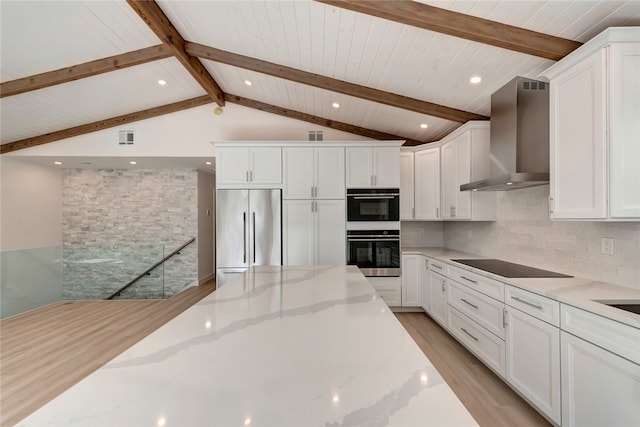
{"x": 407, "y": 309}
{"x": 206, "y": 278}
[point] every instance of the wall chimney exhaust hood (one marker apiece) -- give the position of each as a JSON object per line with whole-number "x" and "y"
{"x": 519, "y": 141}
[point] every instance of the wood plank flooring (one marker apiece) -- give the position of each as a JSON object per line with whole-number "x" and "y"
{"x": 46, "y": 351}
{"x": 489, "y": 400}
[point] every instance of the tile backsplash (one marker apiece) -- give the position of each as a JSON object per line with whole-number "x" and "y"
{"x": 524, "y": 234}
{"x": 421, "y": 234}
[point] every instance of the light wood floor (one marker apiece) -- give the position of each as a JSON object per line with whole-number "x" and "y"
{"x": 489, "y": 400}
{"x": 46, "y": 351}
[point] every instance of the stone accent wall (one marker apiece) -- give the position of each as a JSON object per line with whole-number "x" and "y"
{"x": 117, "y": 223}
{"x": 524, "y": 234}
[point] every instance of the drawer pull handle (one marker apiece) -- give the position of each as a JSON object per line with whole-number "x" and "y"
{"x": 539, "y": 307}
{"x": 470, "y": 280}
{"x": 467, "y": 332}
{"x": 467, "y": 302}
{"x": 436, "y": 266}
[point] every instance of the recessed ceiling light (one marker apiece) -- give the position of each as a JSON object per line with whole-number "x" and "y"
{"x": 248, "y": 82}
{"x": 133, "y": 163}
{"x": 162, "y": 82}
{"x": 57, "y": 163}
{"x": 207, "y": 163}
{"x": 424, "y": 126}
{"x": 475, "y": 80}
{"x": 335, "y": 105}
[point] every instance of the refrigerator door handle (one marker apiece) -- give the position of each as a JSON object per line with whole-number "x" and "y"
{"x": 253, "y": 214}
{"x": 244, "y": 237}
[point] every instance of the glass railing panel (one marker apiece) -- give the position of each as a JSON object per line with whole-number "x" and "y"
{"x": 95, "y": 272}
{"x": 29, "y": 279}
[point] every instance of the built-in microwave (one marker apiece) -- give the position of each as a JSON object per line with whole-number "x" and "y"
{"x": 373, "y": 204}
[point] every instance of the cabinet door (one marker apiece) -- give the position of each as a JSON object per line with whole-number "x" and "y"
{"x": 329, "y": 173}
{"x": 266, "y": 165}
{"x": 359, "y": 167}
{"x": 449, "y": 180}
{"x": 533, "y": 361}
{"x": 298, "y": 232}
{"x": 577, "y": 141}
{"x": 624, "y": 130}
{"x": 406, "y": 185}
{"x": 427, "y": 184}
{"x": 297, "y": 173}
{"x": 330, "y": 233}
{"x": 232, "y": 165}
{"x": 386, "y": 166}
{"x": 438, "y": 298}
{"x": 599, "y": 388}
{"x": 463, "y": 176}
{"x": 411, "y": 281}
{"x": 426, "y": 286}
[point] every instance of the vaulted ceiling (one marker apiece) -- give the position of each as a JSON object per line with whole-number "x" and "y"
{"x": 73, "y": 67}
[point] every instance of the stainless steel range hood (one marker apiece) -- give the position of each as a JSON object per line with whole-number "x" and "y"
{"x": 519, "y": 142}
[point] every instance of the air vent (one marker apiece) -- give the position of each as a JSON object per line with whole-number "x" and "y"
{"x": 316, "y": 135}
{"x": 533, "y": 85}
{"x": 126, "y": 137}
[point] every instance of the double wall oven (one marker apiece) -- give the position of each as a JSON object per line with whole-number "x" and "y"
{"x": 373, "y": 231}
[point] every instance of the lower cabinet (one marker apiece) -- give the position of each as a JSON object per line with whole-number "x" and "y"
{"x": 533, "y": 361}
{"x": 313, "y": 232}
{"x": 438, "y": 296}
{"x": 599, "y": 388}
{"x": 389, "y": 289}
{"x": 412, "y": 280}
{"x": 426, "y": 286}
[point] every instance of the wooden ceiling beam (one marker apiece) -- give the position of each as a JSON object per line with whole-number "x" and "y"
{"x": 156, "y": 19}
{"x": 328, "y": 83}
{"x": 104, "y": 124}
{"x": 297, "y": 115}
{"x": 87, "y": 69}
{"x": 464, "y": 26}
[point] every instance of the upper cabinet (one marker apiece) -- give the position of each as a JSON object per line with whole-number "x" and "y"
{"x": 373, "y": 167}
{"x": 465, "y": 158}
{"x": 257, "y": 166}
{"x": 406, "y": 185}
{"x": 313, "y": 173}
{"x": 595, "y": 129}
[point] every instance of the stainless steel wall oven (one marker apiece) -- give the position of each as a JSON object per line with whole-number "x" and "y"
{"x": 375, "y": 252}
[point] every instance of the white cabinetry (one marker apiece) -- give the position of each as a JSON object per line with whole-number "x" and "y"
{"x": 438, "y": 298}
{"x": 406, "y": 185}
{"x": 533, "y": 349}
{"x": 248, "y": 166}
{"x": 594, "y": 129}
{"x": 426, "y": 285}
{"x": 465, "y": 158}
{"x": 412, "y": 280}
{"x": 313, "y": 232}
{"x": 313, "y": 173}
{"x": 599, "y": 387}
{"x": 427, "y": 184}
{"x": 369, "y": 167}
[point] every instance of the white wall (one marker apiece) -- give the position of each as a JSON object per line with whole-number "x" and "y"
{"x": 524, "y": 234}
{"x": 187, "y": 133}
{"x": 31, "y": 208}
{"x": 206, "y": 215}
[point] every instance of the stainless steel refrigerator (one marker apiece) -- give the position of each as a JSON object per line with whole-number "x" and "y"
{"x": 248, "y": 231}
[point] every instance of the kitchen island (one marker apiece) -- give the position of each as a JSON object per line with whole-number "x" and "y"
{"x": 278, "y": 346}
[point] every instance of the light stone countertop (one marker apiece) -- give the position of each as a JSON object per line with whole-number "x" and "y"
{"x": 576, "y": 291}
{"x": 277, "y": 346}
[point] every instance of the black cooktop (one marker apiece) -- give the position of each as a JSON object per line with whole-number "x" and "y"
{"x": 508, "y": 269}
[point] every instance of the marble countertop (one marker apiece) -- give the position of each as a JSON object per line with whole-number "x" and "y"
{"x": 576, "y": 291}
{"x": 278, "y": 346}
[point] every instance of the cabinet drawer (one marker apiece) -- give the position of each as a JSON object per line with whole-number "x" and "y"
{"x": 486, "y": 346}
{"x": 437, "y": 266}
{"x": 616, "y": 337}
{"x": 486, "y": 311}
{"x": 540, "y": 307}
{"x": 389, "y": 289}
{"x": 483, "y": 284}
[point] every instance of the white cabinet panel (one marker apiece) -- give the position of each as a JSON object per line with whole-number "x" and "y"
{"x": 438, "y": 298}
{"x": 426, "y": 286}
{"x": 298, "y": 232}
{"x": 359, "y": 167}
{"x": 248, "y": 166}
{"x": 482, "y": 309}
{"x": 406, "y": 185}
{"x": 427, "y": 184}
{"x": 232, "y": 165}
{"x": 329, "y": 173}
{"x": 330, "y": 234}
{"x": 599, "y": 388}
{"x": 266, "y": 165}
{"x": 313, "y": 173}
{"x": 370, "y": 167}
{"x": 412, "y": 280}
{"x": 533, "y": 361}
{"x": 297, "y": 170}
